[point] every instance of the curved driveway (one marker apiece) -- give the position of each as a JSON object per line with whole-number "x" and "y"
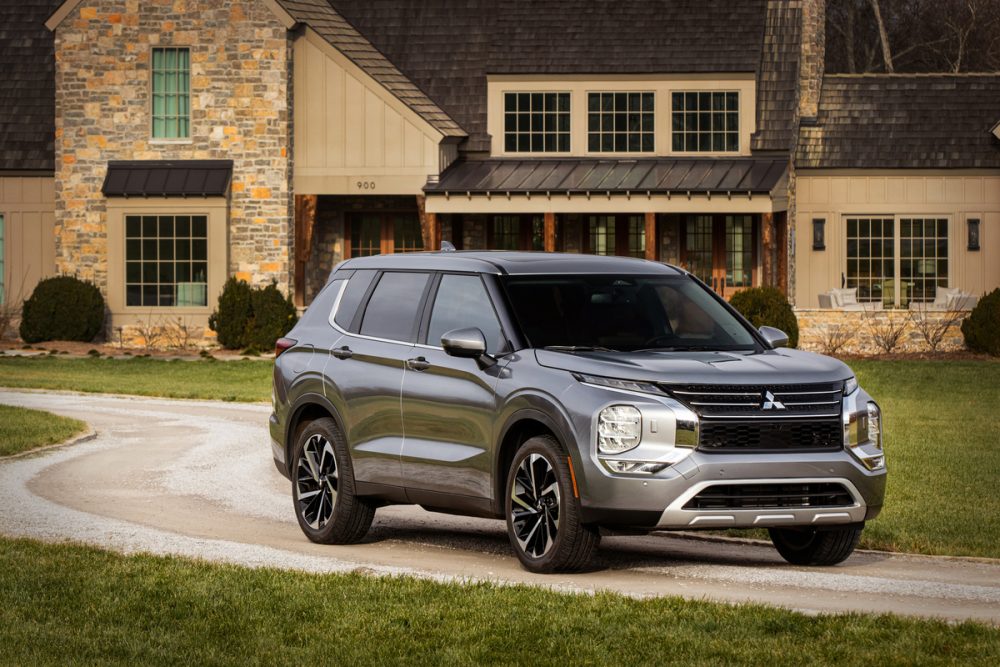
{"x": 195, "y": 478}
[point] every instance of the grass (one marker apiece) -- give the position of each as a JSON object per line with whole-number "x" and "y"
{"x": 245, "y": 381}
{"x": 66, "y": 603}
{"x": 22, "y": 429}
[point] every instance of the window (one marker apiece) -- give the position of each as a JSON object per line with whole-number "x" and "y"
{"x": 620, "y": 122}
{"x": 923, "y": 257}
{"x": 617, "y": 235}
{"x": 357, "y": 287}
{"x": 378, "y": 233}
{"x": 602, "y": 234}
{"x": 392, "y": 309}
{"x": 739, "y": 251}
{"x": 517, "y": 232}
{"x": 698, "y": 245}
{"x": 166, "y": 260}
{"x": 871, "y": 259}
{"x": 536, "y": 122}
{"x": 462, "y": 302}
{"x": 171, "y": 93}
{"x": 2, "y": 265}
{"x": 706, "y": 122}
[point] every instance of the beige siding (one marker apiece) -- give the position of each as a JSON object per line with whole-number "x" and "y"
{"x": 351, "y": 135}
{"x": 27, "y": 204}
{"x": 957, "y": 196}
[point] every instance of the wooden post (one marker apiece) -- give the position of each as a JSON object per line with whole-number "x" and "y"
{"x": 305, "y": 224}
{"x": 782, "y": 229}
{"x": 767, "y": 232}
{"x": 652, "y": 243}
{"x": 550, "y": 232}
{"x": 430, "y": 227}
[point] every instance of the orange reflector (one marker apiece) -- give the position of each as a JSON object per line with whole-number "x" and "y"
{"x": 572, "y": 476}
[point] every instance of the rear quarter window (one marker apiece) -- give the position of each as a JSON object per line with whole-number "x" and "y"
{"x": 357, "y": 287}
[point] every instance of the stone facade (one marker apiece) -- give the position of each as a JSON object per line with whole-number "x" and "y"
{"x": 840, "y": 332}
{"x": 240, "y": 111}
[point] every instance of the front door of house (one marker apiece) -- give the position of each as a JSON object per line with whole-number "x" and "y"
{"x": 720, "y": 250}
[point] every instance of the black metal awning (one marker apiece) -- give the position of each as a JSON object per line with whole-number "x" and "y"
{"x": 168, "y": 178}
{"x": 578, "y": 176}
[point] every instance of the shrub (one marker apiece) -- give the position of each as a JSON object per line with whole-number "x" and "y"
{"x": 767, "y": 306}
{"x": 251, "y": 318}
{"x": 981, "y": 328}
{"x": 62, "y": 308}
{"x": 232, "y": 318}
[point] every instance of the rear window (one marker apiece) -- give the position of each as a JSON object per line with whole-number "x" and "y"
{"x": 356, "y": 289}
{"x": 392, "y": 310}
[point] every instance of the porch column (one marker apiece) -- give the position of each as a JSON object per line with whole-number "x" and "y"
{"x": 652, "y": 243}
{"x": 550, "y": 232}
{"x": 305, "y": 223}
{"x": 768, "y": 242}
{"x": 782, "y": 229}
{"x": 430, "y": 226}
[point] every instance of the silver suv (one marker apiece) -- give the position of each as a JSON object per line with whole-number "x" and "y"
{"x": 570, "y": 395}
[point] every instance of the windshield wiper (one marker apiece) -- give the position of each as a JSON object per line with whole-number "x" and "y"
{"x": 578, "y": 348}
{"x": 695, "y": 348}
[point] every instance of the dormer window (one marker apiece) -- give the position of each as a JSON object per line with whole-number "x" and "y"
{"x": 706, "y": 122}
{"x": 620, "y": 122}
{"x": 536, "y": 122}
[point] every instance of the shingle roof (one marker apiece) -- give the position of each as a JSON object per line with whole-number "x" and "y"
{"x": 777, "y": 77}
{"x": 331, "y": 26}
{"x": 447, "y": 48}
{"x": 27, "y": 88}
{"x": 167, "y": 178}
{"x": 716, "y": 175}
{"x": 934, "y": 121}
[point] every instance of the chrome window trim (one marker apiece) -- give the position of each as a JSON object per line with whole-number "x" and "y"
{"x": 336, "y": 306}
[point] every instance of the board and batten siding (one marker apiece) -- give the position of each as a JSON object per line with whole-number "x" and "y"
{"x": 27, "y": 205}
{"x": 352, "y": 136}
{"x": 837, "y": 195}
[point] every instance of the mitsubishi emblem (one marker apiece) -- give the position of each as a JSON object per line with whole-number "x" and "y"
{"x": 770, "y": 403}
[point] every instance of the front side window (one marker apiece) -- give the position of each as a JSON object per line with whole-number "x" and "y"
{"x": 705, "y": 122}
{"x": 166, "y": 260}
{"x": 923, "y": 257}
{"x": 171, "y": 83}
{"x": 536, "y": 122}
{"x": 462, "y": 302}
{"x": 620, "y": 122}
{"x": 392, "y": 309}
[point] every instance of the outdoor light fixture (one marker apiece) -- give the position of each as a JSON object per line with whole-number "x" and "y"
{"x": 819, "y": 233}
{"x": 973, "y": 224}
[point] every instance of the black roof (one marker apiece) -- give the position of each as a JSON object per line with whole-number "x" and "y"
{"x": 168, "y": 178}
{"x": 512, "y": 263}
{"x": 916, "y": 121}
{"x": 716, "y": 175}
{"x": 778, "y": 78}
{"x": 27, "y": 90}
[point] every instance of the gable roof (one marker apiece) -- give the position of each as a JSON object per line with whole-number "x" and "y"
{"x": 27, "y": 92}
{"x": 918, "y": 121}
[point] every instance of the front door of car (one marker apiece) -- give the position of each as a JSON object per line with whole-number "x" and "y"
{"x": 449, "y": 403}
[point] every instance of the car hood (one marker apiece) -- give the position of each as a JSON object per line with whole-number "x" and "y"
{"x": 781, "y": 366}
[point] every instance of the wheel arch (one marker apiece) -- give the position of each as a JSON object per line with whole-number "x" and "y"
{"x": 522, "y": 425}
{"x": 307, "y": 408}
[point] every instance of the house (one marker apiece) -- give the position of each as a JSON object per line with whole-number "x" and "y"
{"x": 270, "y": 139}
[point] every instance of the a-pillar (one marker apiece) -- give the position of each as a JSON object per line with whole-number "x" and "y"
{"x": 305, "y": 224}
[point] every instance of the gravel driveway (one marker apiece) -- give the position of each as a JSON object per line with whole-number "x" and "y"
{"x": 195, "y": 478}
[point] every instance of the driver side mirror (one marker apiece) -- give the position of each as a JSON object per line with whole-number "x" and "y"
{"x": 775, "y": 338}
{"x": 467, "y": 344}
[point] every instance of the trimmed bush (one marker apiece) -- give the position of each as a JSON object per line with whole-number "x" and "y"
{"x": 767, "y": 306}
{"x": 62, "y": 308}
{"x": 251, "y": 318}
{"x": 981, "y": 328}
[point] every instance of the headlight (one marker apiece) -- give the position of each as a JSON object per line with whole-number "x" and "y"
{"x": 874, "y": 425}
{"x": 614, "y": 383}
{"x": 864, "y": 440}
{"x": 850, "y": 386}
{"x": 619, "y": 429}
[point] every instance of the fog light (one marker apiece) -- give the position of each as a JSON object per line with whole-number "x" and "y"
{"x": 619, "y": 429}
{"x": 635, "y": 466}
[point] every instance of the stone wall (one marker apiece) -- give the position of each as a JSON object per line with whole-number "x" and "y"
{"x": 240, "y": 103}
{"x": 855, "y": 332}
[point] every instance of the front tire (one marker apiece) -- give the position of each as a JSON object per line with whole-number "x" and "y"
{"x": 326, "y": 504}
{"x": 543, "y": 516}
{"x": 807, "y": 546}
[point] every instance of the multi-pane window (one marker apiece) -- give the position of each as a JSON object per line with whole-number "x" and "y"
{"x": 377, "y": 233}
{"x": 620, "y": 122}
{"x": 706, "y": 121}
{"x": 517, "y": 232}
{"x": 602, "y": 234}
{"x": 636, "y": 236}
{"x": 739, "y": 251}
{"x": 698, "y": 245}
{"x": 871, "y": 259}
{"x": 2, "y": 265}
{"x": 536, "y": 122}
{"x": 923, "y": 257}
{"x": 171, "y": 107}
{"x": 166, "y": 260}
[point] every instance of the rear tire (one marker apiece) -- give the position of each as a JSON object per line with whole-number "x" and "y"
{"x": 543, "y": 515}
{"x": 323, "y": 491}
{"x": 809, "y": 546}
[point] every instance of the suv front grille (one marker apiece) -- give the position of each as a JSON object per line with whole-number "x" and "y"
{"x": 770, "y": 496}
{"x": 717, "y": 436}
{"x": 756, "y": 401}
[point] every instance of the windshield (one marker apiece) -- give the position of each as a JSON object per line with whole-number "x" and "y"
{"x": 622, "y": 313}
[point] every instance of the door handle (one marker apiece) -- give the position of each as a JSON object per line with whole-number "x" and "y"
{"x": 342, "y": 353}
{"x": 418, "y": 364}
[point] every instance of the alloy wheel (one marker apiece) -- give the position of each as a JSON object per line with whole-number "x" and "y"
{"x": 535, "y": 505}
{"x": 316, "y": 481}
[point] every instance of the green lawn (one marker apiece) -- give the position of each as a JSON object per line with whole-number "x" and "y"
{"x": 73, "y": 604}
{"x": 22, "y": 429}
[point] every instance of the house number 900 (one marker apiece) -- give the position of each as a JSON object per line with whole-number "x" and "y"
{"x": 365, "y": 185}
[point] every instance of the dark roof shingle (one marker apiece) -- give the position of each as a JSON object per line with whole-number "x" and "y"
{"x": 27, "y": 91}
{"x": 167, "y": 178}
{"x": 777, "y": 77}
{"x": 924, "y": 121}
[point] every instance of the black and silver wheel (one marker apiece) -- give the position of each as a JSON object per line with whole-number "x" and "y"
{"x": 543, "y": 517}
{"x": 323, "y": 489}
{"x": 809, "y": 546}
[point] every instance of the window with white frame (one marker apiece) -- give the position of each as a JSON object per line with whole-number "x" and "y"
{"x": 871, "y": 258}
{"x": 705, "y": 121}
{"x": 171, "y": 84}
{"x": 620, "y": 122}
{"x": 166, "y": 260}
{"x": 536, "y": 122}
{"x": 923, "y": 256}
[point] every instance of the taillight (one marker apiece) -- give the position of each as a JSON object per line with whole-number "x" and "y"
{"x": 283, "y": 344}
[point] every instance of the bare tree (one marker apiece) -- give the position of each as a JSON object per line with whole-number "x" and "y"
{"x": 883, "y": 36}
{"x": 886, "y": 331}
{"x": 836, "y": 337}
{"x": 934, "y": 326}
